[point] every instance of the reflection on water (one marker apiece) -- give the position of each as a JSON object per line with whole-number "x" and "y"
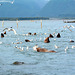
{"x": 59, "y": 63}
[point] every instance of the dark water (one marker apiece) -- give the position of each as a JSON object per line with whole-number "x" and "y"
{"x": 60, "y": 63}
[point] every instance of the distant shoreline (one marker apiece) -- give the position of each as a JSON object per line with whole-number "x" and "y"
{"x": 33, "y": 18}
{"x": 23, "y": 18}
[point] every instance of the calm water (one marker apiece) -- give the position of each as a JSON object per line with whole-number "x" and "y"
{"x": 59, "y": 63}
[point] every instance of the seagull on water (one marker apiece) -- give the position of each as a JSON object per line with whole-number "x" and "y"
{"x": 73, "y": 46}
{"x": 27, "y": 48}
{"x": 22, "y": 49}
{"x": 66, "y": 49}
{"x": 1, "y": 42}
{"x": 34, "y": 48}
{"x": 56, "y": 46}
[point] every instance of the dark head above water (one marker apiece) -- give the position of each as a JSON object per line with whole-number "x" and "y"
{"x": 5, "y": 32}
{"x": 50, "y": 36}
{"x": 46, "y": 40}
{"x": 71, "y": 41}
{"x": 2, "y": 35}
{"x": 29, "y": 33}
{"x": 27, "y": 40}
{"x": 58, "y": 35}
{"x": 34, "y": 34}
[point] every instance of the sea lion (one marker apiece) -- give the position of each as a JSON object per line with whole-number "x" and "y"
{"x": 46, "y": 40}
{"x": 29, "y": 33}
{"x": 2, "y": 35}
{"x": 58, "y": 35}
{"x": 71, "y": 41}
{"x": 44, "y": 50}
{"x": 5, "y": 32}
{"x": 27, "y": 40}
{"x": 18, "y": 63}
{"x": 51, "y": 36}
{"x": 34, "y": 34}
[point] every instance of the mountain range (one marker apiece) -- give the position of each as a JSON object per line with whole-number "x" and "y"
{"x": 59, "y": 9}
{"x": 35, "y": 8}
{"x": 21, "y": 8}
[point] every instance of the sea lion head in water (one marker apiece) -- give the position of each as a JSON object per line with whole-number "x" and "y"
{"x": 27, "y": 40}
{"x": 46, "y": 40}
{"x": 71, "y": 41}
{"x": 2, "y": 35}
{"x": 5, "y": 32}
{"x": 29, "y": 33}
{"x": 58, "y": 35}
{"x": 50, "y": 36}
{"x": 34, "y": 34}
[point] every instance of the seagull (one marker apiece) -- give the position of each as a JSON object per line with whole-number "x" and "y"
{"x": 66, "y": 49}
{"x": 45, "y": 33}
{"x": 34, "y": 48}
{"x": 27, "y": 48}
{"x": 56, "y": 46}
{"x": 12, "y": 2}
{"x": 68, "y": 27}
{"x": 73, "y": 46}
{"x": 1, "y": 42}
{"x": 44, "y": 38}
{"x": 40, "y": 39}
{"x": 22, "y": 49}
{"x": 72, "y": 26}
{"x": 54, "y": 33}
{"x": 31, "y": 40}
{"x": 17, "y": 39}
{"x": 10, "y": 30}
{"x": 16, "y": 47}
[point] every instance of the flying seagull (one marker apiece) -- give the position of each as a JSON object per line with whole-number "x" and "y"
{"x": 10, "y": 30}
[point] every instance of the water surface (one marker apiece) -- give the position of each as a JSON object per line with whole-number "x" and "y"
{"x": 59, "y": 63}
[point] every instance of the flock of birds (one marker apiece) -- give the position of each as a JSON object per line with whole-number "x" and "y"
{"x": 46, "y": 40}
{"x": 6, "y": 1}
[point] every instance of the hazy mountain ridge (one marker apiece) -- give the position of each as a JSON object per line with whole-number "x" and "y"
{"x": 61, "y": 8}
{"x": 20, "y": 8}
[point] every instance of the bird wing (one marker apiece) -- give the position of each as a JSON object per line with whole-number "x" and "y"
{"x": 69, "y": 29}
{"x": 14, "y": 31}
{"x": 5, "y": 29}
{"x": 72, "y": 26}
